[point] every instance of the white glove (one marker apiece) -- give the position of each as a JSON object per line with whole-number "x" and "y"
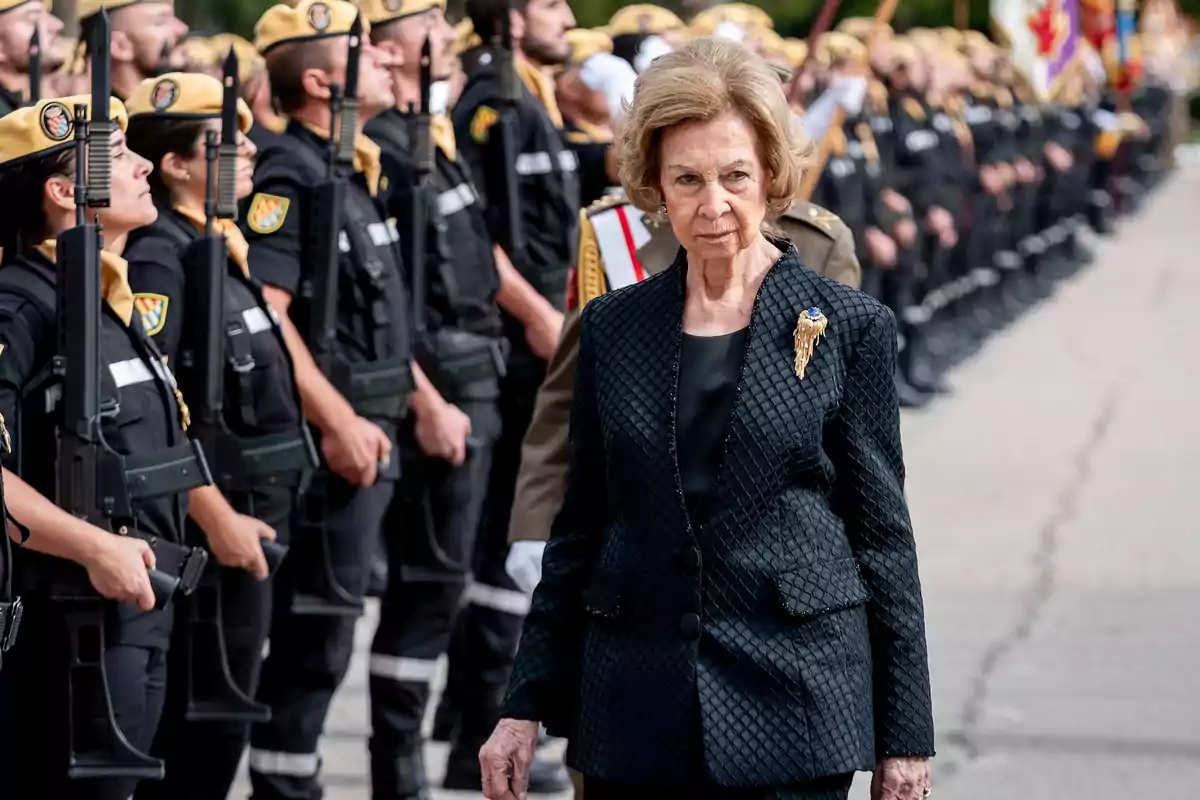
{"x": 439, "y": 97}
{"x": 524, "y": 564}
{"x": 728, "y": 30}
{"x": 852, "y": 91}
{"x": 613, "y": 77}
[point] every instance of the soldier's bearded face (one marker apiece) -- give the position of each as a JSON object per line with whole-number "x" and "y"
{"x": 546, "y": 23}
{"x": 149, "y": 29}
{"x": 16, "y": 29}
{"x": 714, "y": 185}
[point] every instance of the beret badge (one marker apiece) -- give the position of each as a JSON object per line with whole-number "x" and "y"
{"x": 165, "y": 93}
{"x": 56, "y": 121}
{"x": 319, "y": 17}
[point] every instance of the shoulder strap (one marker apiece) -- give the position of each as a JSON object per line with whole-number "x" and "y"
{"x": 23, "y": 282}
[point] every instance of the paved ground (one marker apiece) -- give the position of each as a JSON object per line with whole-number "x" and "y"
{"x": 1057, "y": 508}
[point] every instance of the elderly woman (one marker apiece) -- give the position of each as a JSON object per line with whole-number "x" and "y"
{"x": 730, "y": 604}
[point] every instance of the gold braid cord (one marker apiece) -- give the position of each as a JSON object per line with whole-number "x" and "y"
{"x": 591, "y": 280}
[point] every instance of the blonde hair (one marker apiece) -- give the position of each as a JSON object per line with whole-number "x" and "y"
{"x": 704, "y": 80}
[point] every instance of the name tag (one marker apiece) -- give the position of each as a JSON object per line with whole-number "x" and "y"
{"x": 533, "y": 163}
{"x": 841, "y": 167}
{"x": 381, "y": 234}
{"x": 130, "y": 372}
{"x": 452, "y": 201}
{"x": 978, "y": 115}
{"x": 916, "y": 141}
{"x": 942, "y": 123}
{"x": 256, "y": 320}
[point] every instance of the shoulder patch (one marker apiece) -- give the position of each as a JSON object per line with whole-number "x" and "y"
{"x": 485, "y": 117}
{"x": 815, "y": 216}
{"x": 152, "y": 308}
{"x": 267, "y": 213}
{"x": 606, "y": 202}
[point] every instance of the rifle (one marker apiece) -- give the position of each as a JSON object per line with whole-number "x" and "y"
{"x": 318, "y": 590}
{"x": 417, "y": 221}
{"x": 35, "y": 67}
{"x": 212, "y": 693}
{"x": 506, "y": 130}
{"x": 94, "y": 482}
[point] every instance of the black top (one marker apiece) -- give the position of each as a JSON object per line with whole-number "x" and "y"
{"x": 709, "y": 370}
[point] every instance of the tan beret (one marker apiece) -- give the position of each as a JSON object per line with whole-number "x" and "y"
{"x": 47, "y": 127}
{"x": 381, "y": 11}
{"x": 307, "y": 21}
{"x": 89, "y": 8}
{"x": 643, "y": 18}
{"x": 183, "y": 95}
{"x": 9, "y": 5}
{"x": 586, "y": 42}
{"x": 249, "y": 60}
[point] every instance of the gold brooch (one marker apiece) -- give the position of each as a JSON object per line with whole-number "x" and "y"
{"x": 810, "y": 326}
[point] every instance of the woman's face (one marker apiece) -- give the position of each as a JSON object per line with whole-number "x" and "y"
{"x": 714, "y": 185}
{"x": 195, "y": 169}
{"x": 132, "y": 207}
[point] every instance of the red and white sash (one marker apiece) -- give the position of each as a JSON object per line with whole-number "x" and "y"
{"x": 620, "y": 234}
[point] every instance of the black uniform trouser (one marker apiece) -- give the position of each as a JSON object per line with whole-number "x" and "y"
{"x": 33, "y": 694}
{"x": 202, "y": 757}
{"x": 489, "y": 626}
{"x": 309, "y": 654}
{"x": 432, "y": 526}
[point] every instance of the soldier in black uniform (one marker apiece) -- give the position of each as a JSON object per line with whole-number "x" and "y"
{"x": 169, "y": 117}
{"x": 547, "y": 187}
{"x": 357, "y": 406}
{"x": 18, "y": 20}
{"x": 919, "y": 178}
{"x": 141, "y": 415}
{"x": 142, "y": 32}
{"x": 434, "y": 518}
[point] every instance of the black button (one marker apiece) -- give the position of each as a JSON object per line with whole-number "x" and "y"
{"x": 689, "y": 625}
{"x": 689, "y": 557}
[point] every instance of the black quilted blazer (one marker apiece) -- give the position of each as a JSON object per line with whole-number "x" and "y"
{"x": 784, "y": 640}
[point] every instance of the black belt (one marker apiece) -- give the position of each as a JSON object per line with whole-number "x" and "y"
{"x": 377, "y": 388}
{"x": 164, "y": 473}
{"x": 278, "y": 459}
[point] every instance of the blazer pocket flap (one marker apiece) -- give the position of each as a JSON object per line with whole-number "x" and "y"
{"x": 827, "y": 586}
{"x": 602, "y": 597}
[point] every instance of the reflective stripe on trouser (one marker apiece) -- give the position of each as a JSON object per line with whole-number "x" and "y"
{"x": 310, "y": 655}
{"x": 202, "y": 758}
{"x": 482, "y": 653}
{"x": 431, "y": 526}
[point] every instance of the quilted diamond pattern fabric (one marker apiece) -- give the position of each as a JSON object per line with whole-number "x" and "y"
{"x": 784, "y": 639}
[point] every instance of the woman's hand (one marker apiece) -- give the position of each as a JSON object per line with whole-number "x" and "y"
{"x": 901, "y": 779}
{"x": 505, "y": 758}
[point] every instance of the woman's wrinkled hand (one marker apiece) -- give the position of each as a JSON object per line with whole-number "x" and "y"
{"x": 505, "y": 758}
{"x": 901, "y": 779}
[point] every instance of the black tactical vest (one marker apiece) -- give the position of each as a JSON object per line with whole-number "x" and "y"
{"x": 374, "y": 340}
{"x": 263, "y": 441}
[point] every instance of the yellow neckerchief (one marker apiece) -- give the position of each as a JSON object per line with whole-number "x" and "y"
{"x": 239, "y": 250}
{"x": 867, "y": 139}
{"x": 366, "y": 157}
{"x": 276, "y": 125}
{"x": 114, "y": 279}
{"x": 593, "y": 133}
{"x": 542, "y": 88}
{"x": 442, "y": 131}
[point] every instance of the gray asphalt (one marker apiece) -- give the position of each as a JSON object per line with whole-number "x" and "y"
{"x": 1056, "y": 499}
